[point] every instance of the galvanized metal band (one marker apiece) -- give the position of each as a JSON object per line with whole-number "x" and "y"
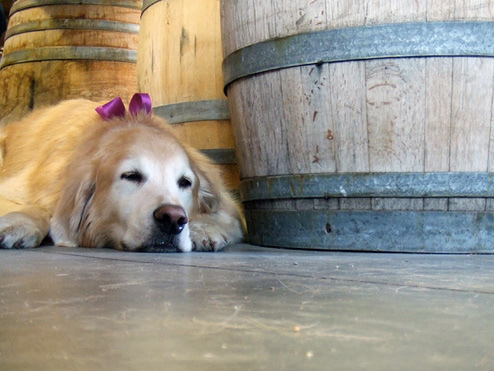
{"x": 147, "y": 3}
{"x": 385, "y": 231}
{"x": 221, "y": 156}
{"x": 410, "y": 185}
{"x": 69, "y": 53}
{"x": 425, "y": 39}
{"x": 203, "y": 110}
{"x": 26, "y": 4}
{"x": 72, "y": 24}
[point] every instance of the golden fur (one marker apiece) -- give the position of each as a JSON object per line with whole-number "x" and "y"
{"x": 125, "y": 183}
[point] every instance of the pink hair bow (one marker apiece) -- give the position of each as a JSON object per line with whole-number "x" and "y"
{"x": 116, "y": 108}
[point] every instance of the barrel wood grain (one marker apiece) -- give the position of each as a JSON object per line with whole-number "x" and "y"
{"x": 416, "y": 114}
{"x": 471, "y": 123}
{"x": 180, "y": 44}
{"x": 179, "y": 60}
{"x": 31, "y": 83}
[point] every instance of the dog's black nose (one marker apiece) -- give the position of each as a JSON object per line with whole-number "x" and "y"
{"x": 172, "y": 219}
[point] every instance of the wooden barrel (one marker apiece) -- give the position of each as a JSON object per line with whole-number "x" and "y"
{"x": 363, "y": 125}
{"x": 179, "y": 65}
{"x": 61, "y": 49}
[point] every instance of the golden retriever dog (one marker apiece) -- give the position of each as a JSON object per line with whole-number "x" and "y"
{"x": 122, "y": 181}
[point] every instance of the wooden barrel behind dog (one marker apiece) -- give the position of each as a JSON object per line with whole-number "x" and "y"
{"x": 179, "y": 65}
{"x": 61, "y": 49}
{"x": 375, "y": 138}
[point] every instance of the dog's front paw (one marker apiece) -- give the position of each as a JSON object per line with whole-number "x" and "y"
{"x": 207, "y": 237}
{"x": 18, "y": 231}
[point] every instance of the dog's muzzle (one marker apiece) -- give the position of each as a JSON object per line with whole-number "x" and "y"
{"x": 169, "y": 223}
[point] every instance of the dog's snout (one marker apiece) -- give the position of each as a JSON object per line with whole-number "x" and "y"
{"x": 171, "y": 218}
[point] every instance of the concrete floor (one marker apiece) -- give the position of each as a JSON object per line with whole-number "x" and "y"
{"x": 247, "y": 308}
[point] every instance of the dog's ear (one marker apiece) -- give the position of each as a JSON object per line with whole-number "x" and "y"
{"x": 217, "y": 208}
{"x": 71, "y": 208}
{"x": 213, "y": 196}
{"x": 210, "y": 187}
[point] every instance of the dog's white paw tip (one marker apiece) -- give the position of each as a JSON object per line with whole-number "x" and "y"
{"x": 13, "y": 241}
{"x": 209, "y": 244}
{"x": 207, "y": 235}
{"x": 18, "y": 232}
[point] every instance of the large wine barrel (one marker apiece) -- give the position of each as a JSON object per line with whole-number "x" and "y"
{"x": 363, "y": 125}
{"x": 61, "y": 49}
{"x": 179, "y": 65}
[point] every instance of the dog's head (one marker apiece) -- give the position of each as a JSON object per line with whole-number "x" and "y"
{"x": 132, "y": 185}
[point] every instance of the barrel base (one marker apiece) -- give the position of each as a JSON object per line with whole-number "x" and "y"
{"x": 373, "y": 231}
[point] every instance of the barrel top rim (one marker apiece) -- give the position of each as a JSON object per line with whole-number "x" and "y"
{"x": 148, "y": 3}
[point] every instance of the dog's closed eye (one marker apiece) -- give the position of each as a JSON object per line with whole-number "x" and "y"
{"x": 184, "y": 182}
{"x": 133, "y": 176}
